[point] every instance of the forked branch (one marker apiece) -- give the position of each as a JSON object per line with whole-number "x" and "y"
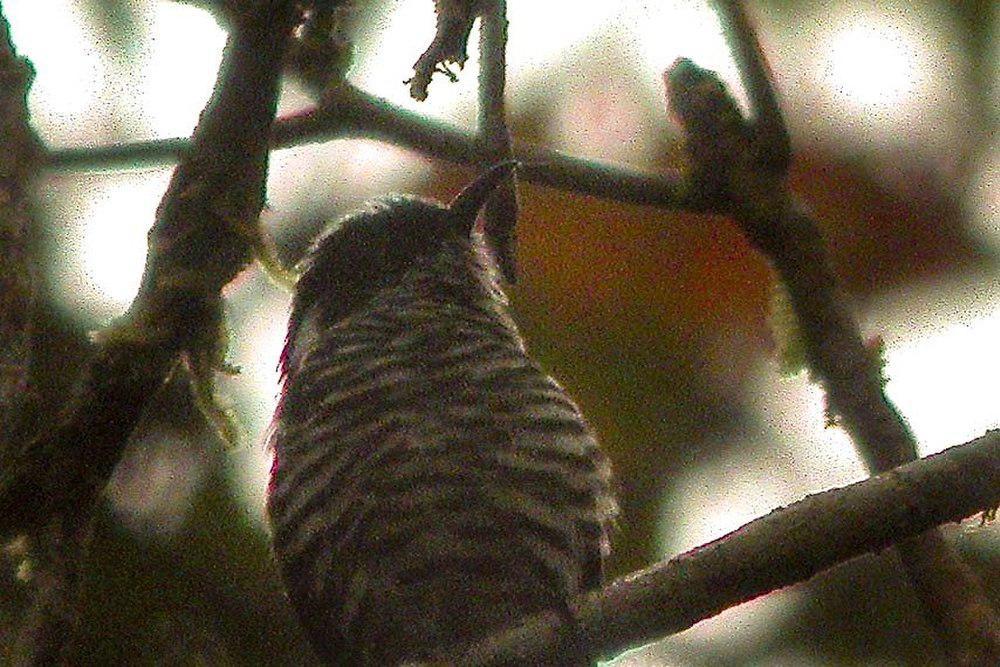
{"x": 202, "y": 237}
{"x": 742, "y": 168}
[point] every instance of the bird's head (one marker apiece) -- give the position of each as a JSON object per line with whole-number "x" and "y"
{"x": 378, "y": 247}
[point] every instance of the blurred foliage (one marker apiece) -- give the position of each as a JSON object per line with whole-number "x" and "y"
{"x": 116, "y": 23}
{"x": 657, "y": 323}
{"x": 205, "y": 596}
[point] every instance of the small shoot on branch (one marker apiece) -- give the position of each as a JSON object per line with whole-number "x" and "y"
{"x": 450, "y": 44}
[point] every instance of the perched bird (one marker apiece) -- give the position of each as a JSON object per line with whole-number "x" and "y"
{"x": 431, "y": 484}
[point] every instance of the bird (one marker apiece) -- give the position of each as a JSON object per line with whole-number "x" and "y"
{"x": 431, "y": 484}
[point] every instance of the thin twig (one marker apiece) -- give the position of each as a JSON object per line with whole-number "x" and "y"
{"x": 202, "y": 237}
{"x": 131, "y": 155}
{"x": 501, "y": 210}
{"x": 787, "y": 546}
{"x": 349, "y": 112}
{"x": 770, "y": 130}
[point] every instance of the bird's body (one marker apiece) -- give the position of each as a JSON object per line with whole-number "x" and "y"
{"x": 431, "y": 483}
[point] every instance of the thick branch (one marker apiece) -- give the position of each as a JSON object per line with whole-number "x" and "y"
{"x": 785, "y": 547}
{"x": 199, "y": 242}
{"x": 730, "y": 163}
{"x": 53, "y": 554}
{"x": 851, "y": 372}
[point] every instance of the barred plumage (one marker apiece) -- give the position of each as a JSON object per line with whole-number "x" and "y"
{"x": 430, "y": 484}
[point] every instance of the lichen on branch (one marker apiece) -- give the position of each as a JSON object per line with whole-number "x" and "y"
{"x": 741, "y": 167}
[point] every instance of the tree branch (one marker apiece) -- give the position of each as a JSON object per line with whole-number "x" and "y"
{"x": 785, "y": 547}
{"x": 48, "y": 488}
{"x": 770, "y": 130}
{"x": 52, "y": 556}
{"x": 202, "y": 237}
{"x": 732, "y": 164}
{"x": 454, "y": 23}
{"x": 349, "y": 112}
{"x": 500, "y": 212}
{"x": 20, "y": 157}
{"x": 953, "y": 599}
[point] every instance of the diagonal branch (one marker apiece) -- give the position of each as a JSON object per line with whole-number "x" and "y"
{"x": 787, "y": 546}
{"x": 732, "y": 164}
{"x": 48, "y": 488}
{"x": 199, "y": 242}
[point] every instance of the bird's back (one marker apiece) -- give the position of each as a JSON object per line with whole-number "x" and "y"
{"x": 431, "y": 484}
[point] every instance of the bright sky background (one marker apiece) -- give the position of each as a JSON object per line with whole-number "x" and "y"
{"x": 871, "y": 76}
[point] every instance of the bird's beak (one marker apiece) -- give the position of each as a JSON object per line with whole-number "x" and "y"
{"x": 465, "y": 206}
